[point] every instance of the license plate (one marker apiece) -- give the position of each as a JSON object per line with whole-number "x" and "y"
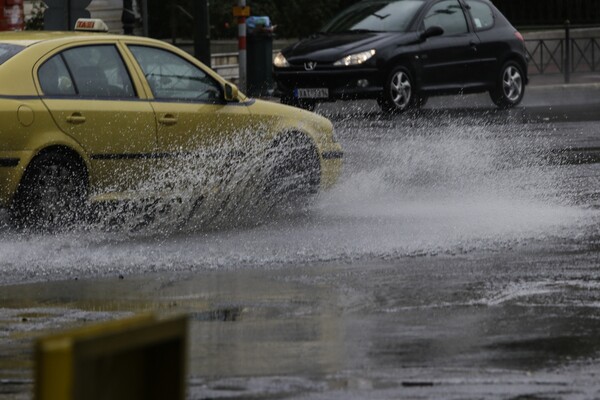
{"x": 317, "y": 93}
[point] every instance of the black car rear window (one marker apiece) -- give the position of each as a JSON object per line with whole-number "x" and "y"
{"x": 483, "y": 16}
{"x": 380, "y": 16}
{"x": 8, "y": 50}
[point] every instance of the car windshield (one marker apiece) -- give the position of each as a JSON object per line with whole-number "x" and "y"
{"x": 390, "y": 16}
{"x": 8, "y": 50}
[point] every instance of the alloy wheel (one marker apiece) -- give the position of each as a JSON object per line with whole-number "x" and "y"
{"x": 512, "y": 83}
{"x": 401, "y": 90}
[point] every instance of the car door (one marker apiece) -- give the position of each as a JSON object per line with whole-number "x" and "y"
{"x": 193, "y": 117}
{"x": 445, "y": 58}
{"x": 492, "y": 44}
{"x": 92, "y": 97}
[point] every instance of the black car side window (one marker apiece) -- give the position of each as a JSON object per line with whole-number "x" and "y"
{"x": 482, "y": 14}
{"x": 449, "y": 15}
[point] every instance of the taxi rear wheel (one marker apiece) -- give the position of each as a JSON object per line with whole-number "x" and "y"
{"x": 52, "y": 194}
{"x": 294, "y": 172}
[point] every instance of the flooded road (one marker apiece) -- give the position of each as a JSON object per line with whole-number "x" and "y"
{"x": 456, "y": 258}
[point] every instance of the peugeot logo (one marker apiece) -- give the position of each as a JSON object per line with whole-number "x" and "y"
{"x": 309, "y": 66}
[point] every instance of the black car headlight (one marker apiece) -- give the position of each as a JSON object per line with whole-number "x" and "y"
{"x": 280, "y": 62}
{"x": 355, "y": 59}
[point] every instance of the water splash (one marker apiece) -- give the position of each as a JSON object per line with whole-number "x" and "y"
{"x": 411, "y": 186}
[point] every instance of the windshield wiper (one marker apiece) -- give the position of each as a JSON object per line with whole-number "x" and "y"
{"x": 381, "y": 16}
{"x": 359, "y": 31}
{"x": 321, "y": 33}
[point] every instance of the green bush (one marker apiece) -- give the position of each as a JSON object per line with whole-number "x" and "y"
{"x": 35, "y": 22}
{"x": 294, "y": 18}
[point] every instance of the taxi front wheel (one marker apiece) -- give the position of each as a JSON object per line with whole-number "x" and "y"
{"x": 294, "y": 172}
{"x": 52, "y": 194}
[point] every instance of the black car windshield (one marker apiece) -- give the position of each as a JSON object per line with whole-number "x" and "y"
{"x": 8, "y": 50}
{"x": 386, "y": 16}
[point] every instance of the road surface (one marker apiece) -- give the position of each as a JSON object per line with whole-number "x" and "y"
{"x": 457, "y": 258}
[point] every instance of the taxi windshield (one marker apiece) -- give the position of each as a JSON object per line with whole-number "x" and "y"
{"x": 8, "y": 50}
{"x": 376, "y": 16}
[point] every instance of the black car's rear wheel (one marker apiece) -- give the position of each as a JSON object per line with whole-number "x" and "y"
{"x": 399, "y": 93}
{"x": 52, "y": 194}
{"x": 510, "y": 86}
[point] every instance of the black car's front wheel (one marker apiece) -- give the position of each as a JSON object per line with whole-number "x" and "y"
{"x": 510, "y": 86}
{"x": 399, "y": 93}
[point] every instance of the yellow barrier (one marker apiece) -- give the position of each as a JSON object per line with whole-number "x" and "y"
{"x": 136, "y": 358}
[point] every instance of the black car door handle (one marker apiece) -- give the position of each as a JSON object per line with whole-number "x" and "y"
{"x": 473, "y": 46}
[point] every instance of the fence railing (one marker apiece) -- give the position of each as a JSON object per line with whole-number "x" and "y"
{"x": 565, "y": 55}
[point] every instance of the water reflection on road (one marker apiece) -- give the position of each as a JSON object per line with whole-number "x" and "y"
{"x": 453, "y": 260}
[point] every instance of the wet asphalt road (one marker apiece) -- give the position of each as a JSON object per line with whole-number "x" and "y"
{"x": 457, "y": 259}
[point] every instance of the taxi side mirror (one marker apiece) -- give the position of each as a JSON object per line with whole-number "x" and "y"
{"x": 231, "y": 93}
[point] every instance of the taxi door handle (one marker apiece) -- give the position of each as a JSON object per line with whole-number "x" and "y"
{"x": 76, "y": 118}
{"x": 168, "y": 119}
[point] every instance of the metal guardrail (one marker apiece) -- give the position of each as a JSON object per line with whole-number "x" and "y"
{"x": 565, "y": 55}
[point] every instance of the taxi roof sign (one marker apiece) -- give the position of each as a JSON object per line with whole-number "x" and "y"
{"x": 91, "y": 25}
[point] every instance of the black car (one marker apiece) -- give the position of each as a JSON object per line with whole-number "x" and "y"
{"x": 400, "y": 52}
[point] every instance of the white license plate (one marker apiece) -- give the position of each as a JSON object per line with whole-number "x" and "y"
{"x": 317, "y": 93}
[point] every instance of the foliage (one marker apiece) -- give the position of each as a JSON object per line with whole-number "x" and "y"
{"x": 36, "y": 20}
{"x": 294, "y": 18}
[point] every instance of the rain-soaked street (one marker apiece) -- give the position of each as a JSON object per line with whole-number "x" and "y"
{"x": 457, "y": 258}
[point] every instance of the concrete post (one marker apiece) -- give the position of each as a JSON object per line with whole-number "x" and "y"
{"x": 567, "y": 63}
{"x": 202, "y": 31}
{"x": 128, "y": 17}
{"x": 242, "y": 47}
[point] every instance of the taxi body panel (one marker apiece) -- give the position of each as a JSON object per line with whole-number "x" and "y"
{"x": 121, "y": 135}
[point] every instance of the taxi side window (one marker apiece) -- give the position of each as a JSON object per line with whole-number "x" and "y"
{"x": 483, "y": 16}
{"x": 449, "y": 15}
{"x": 173, "y": 78}
{"x": 55, "y": 79}
{"x": 98, "y": 72}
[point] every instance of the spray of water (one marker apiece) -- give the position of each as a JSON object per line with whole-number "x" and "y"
{"x": 411, "y": 186}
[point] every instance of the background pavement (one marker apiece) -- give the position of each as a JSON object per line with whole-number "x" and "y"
{"x": 541, "y": 94}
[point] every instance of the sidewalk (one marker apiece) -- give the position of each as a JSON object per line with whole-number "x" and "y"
{"x": 543, "y": 91}
{"x": 551, "y": 90}
{"x": 547, "y": 98}
{"x": 578, "y": 78}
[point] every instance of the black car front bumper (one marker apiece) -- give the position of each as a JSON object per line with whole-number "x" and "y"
{"x": 342, "y": 83}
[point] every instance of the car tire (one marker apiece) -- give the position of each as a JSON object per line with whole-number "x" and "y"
{"x": 510, "y": 86}
{"x": 294, "y": 172}
{"x": 399, "y": 92}
{"x": 52, "y": 195}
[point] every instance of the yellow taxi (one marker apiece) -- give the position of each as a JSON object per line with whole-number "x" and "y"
{"x": 86, "y": 116}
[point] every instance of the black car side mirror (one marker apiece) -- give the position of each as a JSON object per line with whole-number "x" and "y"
{"x": 432, "y": 31}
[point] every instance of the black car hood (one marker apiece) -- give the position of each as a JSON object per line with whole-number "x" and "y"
{"x": 328, "y": 48}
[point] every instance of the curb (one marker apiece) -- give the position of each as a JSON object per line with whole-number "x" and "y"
{"x": 566, "y": 86}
